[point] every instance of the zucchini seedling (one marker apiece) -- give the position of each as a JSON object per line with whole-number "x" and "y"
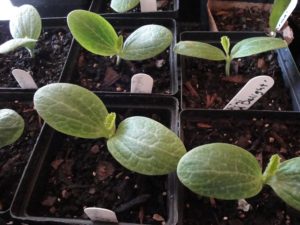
{"x": 96, "y": 34}
{"x": 11, "y": 127}
{"x": 228, "y": 172}
{"x": 121, "y": 6}
{"x": 25, "y": 28}
{"x": 246, "y": 47}
{"x": 139, "y": 143}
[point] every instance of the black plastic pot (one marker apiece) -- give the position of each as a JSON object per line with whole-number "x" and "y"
{"x": 19, "y": 152}
{"x": 37, "y": 171}
{"x": 294, "y": 22}
{"x": 70, "y": 72}
{"x": 290, "y": 74}
{"x": 47, "y": 24}
{"x": 261, "y": 133}
{"x": 100, "y": 6}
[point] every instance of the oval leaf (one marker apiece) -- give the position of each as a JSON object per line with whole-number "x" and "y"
{"x": 123, "y": 5}
{"x": 93, "y": 32}
{"x": 73, "y": 110}
{"x": 146, "y": 42}
{"x": 286, "y": 182}
{"x": 13, "y": 44}
{"x": 11, "y": 127}
{"x": 221, "y": 171}
{"x": 255, "y": 45}
{"x": 145, "y": 146}
{"x": 26, "y": 23}
{"x": 199, "y": 50}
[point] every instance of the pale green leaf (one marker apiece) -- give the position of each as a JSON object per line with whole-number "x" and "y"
{"x": 146, "y": 42}
{"x": 26, "y": 23}
{"x": 11, "y": 127}
{"x": 225, "y": 44}
{"x": 199, "y": 50}
{"x": 13, "y": 44}
{"x": 73, "y": 110}
{"x": 286, "y": 182}
{"x": 123, "y": 5}
{"x": 93, "y": 32}
{"x": 255, "y": 45}
{"x": 145, "y": 146}
{"x": 222, "y": 171}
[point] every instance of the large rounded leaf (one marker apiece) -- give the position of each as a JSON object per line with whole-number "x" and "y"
{"x": 74, "y": 110}
{"x": 11, "y": 127}
{"x": 123, "y": 5}
{"x": 26, "y": 23}
{"x": 146, "y": 42}
{"x": 199, "y": 50}
{"x": 221, "y": 171}
{"x": 145, "y": 146}
{"x": 255, "y": 45}
{"x": 286, "y": 182}
{"x": 93, "y": 32}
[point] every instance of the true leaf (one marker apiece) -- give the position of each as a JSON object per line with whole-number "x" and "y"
{"x": 73, "y": 110}
{"x": 15, "y": 43}
{"x": 225, "y": 44}
{"x": 11, "y": 127}
{"x": 222, "y": 171}
{"x": 199, "y": 50}
{"x": 26, "y": 23}
{"x": 123, "y": 5}
{"x": 93, "y": 32}
{"x": 255, "y": 45}
{"x": 145, "y": 146}
{"x": 286, "y": 183}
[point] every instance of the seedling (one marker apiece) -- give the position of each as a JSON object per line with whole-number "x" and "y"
{"x": 11, "y": 127}
{"x": 140, "y": 144}
{"x": 228, "y": 172}
{"x": 96, "y": 34}
{"x": 246, "y": 47}
{"x": 121, "y": 6}
{"x": 25, "y": 28}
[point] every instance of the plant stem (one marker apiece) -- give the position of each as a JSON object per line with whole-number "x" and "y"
{"x": 227, "y": 66}
{"x": 118, "y": 60}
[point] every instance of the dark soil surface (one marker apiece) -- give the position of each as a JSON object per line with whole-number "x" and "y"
{"x": 237, "y": 19}
{"x": 50, "y": 55}
{"x": 82, "y": 173}
{"x": 162, "y": 5}
{"x": 13, "y": 158}
{"x": 99, "y": 73}
{"x": 206, "y": 85}
{"x": 262, "y": 137}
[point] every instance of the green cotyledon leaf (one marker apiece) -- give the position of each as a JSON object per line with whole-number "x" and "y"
{"x": 93, "y": 32}
{"x": 286, "y": 182}
{"x": 74, "y": 110}
{"x": 255, "y": 45}
{"x": 11, "y": 126}
{"x": 146, "y": 42}
{"x": 15, "y": 43}
{"x": 145, "y": 146}
{"x": 220, "y": 170}
{"x": 199, "y": 50}
{"x": 123, "y": 5}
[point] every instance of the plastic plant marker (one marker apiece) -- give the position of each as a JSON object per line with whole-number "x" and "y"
{"x": 24, "y": 79}
{"x": 148, "y": 5}
{"x": 141, "y": 83}
{"x": 101, "y": 214}
{"x": 253, "y": 90}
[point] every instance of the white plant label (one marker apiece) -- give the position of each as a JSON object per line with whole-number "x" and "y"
{"x": 101, "y": 214}
{"x": 148, "y": 5}
{"x": 24, "y": 79}
{"x": 250, "y": 93}
{"x": 141, "y": 83}
{"x": 285, "y": 15}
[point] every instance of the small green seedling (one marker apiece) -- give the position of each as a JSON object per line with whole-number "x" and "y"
{"x": 97, "y": 35}
{"x": 121, "y": 6}
{"x": 140, "y": 144}
{"x": 25, "y": 28}
{"x": 11, "y": 126}
{"x": 246, "y": 47}
{"x": 228, "y": 172}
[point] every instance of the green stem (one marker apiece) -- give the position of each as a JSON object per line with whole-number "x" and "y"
{"x": 118, "y": 60}
{"x": 272, "y": 168}
{"x": 227, "y": 66}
